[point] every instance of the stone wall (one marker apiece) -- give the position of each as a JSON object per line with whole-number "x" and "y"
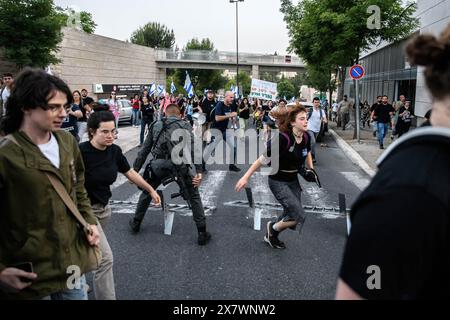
{"x": 92, "y": 59}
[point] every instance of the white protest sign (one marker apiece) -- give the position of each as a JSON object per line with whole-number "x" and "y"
{"x": 263, "y": 90}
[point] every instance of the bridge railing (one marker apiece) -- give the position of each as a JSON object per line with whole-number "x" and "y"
{"x": 226, "y": 57}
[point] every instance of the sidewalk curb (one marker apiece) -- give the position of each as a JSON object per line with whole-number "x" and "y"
{"x": 352, "y": 154}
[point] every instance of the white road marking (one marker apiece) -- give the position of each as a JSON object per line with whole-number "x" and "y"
{"x": 357, "y": 179}
{"x": 211, "y": 186}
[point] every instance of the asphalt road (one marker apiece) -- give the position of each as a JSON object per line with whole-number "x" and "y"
{"x": 236, "y": 264}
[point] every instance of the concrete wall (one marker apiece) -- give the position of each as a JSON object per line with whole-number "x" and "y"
{"x": 90, "y": 59}
{"x": 434, "y": 18}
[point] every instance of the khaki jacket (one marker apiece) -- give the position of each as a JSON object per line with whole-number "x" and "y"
{"x": 35, "y": 225}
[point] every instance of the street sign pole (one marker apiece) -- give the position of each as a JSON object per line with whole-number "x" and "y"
{"x": 357, "y": 72}
{"x": 358, "y": 123}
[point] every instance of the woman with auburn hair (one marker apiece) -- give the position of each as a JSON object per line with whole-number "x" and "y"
{"x": 290, "y": 148}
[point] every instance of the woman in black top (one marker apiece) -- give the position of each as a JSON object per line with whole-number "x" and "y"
{"x": 103, "y": 160}
{"x": 244, "y": 115}
{"x": 290, "y": 150}
{"x": 78, "y": 104}
{"x": 148, "y": 114}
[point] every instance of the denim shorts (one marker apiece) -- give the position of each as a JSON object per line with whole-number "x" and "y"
{"x": 288, "y": 194}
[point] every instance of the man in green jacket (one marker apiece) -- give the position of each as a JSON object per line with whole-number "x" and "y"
{"x": 37, "y": 230}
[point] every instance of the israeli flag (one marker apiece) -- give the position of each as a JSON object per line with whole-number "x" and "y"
{"x": 232, "y": 89}
{"x": 172, "y": 88}
{"x": 188, "y": 86}
{"x": 293, "y": 99}
{"x": 160, "y": 90}
{"x": 152, "y": 89}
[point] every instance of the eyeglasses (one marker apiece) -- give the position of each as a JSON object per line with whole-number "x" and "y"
{"x": 113, "y": 94}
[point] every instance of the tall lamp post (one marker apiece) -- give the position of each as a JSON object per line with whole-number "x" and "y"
{"x": 237, "y": 43}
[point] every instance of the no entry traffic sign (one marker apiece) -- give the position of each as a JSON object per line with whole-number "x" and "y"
{"x": 357, "y": 72}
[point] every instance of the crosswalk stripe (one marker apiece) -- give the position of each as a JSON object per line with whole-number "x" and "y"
{"x": 312, "y": 195}
{"x": 357, "y": 179}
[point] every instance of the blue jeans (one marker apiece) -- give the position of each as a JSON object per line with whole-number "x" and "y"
{"x": 71, "y": 294}
{"x": 382, "y": 131}
{"x": 135, "y": 117}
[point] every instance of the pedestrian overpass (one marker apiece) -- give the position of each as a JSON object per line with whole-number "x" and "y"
{"x": 223, "y": 60}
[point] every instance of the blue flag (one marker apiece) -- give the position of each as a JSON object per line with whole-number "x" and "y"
{"x": 160, "y": 90}
{"x": 152, "y": 89}
{"x": 188, "y": 86}
{"x": 172, "y": 88}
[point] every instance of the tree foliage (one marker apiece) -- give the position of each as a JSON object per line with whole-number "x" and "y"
{"x": 245, "y": 83}
{"x": 334, "y": 32}
{"x": 201, "y": 78}
{"x": 82, "y": 20}
{"x": 30, "y": 32}
{"x": 154, "y": 35}
{"x": 286, "y": 89}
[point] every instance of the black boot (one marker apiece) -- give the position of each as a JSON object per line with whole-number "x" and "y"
{"x": 135, "y": 225}
{"x": 233, "y": 168}
{"x": 203, "y": 238}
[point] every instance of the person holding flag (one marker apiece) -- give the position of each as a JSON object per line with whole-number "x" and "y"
{"x": 188, "y": 86}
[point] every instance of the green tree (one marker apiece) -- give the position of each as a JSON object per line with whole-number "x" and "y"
{"x": 245, "y": 83}
{"x": 70, "y": 17}
{"x": 30, "y": 32}
{"x": 154, "y": 35}
{"x": 329, "y": 34}
{"x": 286, "y": 89}
{"x": 201, "y": 78}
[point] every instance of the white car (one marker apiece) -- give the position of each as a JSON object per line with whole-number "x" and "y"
{"x": 125, "y": 109}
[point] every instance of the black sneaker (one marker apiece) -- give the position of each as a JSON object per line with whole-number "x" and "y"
{"x": 203, "y": 238}
{"x": 234, "y": 168}
{"x": 381, "y": 147}
{"x": 277, "y": 244}
{"x": 269, "y": 238}
{"x": 135, "y": 225}
{"x": 374, "y": 133}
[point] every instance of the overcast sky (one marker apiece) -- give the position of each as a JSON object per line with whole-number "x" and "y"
{"x": 261, "y": 25}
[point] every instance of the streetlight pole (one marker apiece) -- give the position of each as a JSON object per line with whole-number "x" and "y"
{"x": 237, "y": 42}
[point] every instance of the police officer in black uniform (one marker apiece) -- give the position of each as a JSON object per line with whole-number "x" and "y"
{"x": 162, "y": 167}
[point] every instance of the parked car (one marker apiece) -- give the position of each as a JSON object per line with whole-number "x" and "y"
{"x": 125, "y": 109}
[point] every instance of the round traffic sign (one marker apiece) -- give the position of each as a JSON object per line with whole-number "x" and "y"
{"x": 357, "y": 72}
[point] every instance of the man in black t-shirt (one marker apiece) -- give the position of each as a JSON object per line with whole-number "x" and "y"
{"x": 223, "y": 114}
{"x": 207, "y": 105}
{"x": 382, "y": 114}
{"x": 372, "y": 109}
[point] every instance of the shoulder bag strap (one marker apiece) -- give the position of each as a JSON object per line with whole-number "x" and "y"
{"x": 62, "y": 192}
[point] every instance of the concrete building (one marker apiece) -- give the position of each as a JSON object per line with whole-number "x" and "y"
{"x": 434, "y": 18}
{"x": 387, "y": 68}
